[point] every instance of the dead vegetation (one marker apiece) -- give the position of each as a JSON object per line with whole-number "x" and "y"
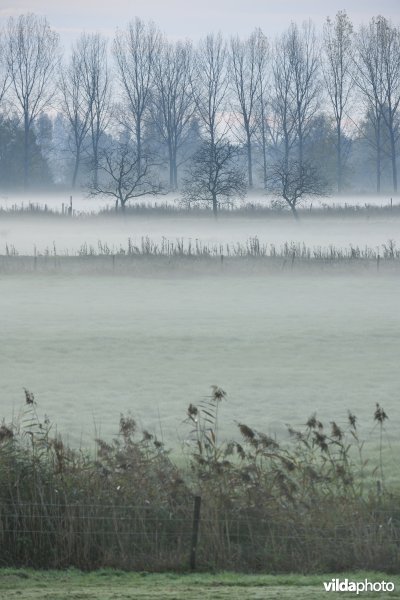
{"x": 307, "y": 504}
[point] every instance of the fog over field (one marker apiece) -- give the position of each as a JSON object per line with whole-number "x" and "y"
{"x": 199, "y": 290}
{"x": 241, "y": 189}
{"x": 282, "y": 347}
{"x": 28, "y": 234}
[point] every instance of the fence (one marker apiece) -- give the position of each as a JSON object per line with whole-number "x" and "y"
{"x": 194, "y": 534}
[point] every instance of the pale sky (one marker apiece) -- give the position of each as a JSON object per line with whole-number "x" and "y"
{"x": 180, "y": 18}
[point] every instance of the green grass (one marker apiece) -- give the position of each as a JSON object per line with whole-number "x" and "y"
{"x": 282, "y": 348}
{"x": 27, "y": 584}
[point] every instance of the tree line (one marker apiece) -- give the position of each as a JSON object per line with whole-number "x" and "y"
{"x": 295, "y": 116}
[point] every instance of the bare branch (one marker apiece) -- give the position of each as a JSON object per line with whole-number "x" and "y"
{"x": 214, "y": 177}
{"x": 296, "y": 181}
{"x": 32, "y": 59}
{"x": 124, "y": 175}
{"x": 173, "y": 105}
{"x": 135, "y": 52}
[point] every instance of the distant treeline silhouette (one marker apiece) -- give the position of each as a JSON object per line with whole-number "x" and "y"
{"x": 302, "y": 115}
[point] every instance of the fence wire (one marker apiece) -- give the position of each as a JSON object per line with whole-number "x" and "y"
{"x": 147, "y": 536}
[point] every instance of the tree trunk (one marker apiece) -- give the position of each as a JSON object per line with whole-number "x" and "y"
{"x": 378, "y": 158}
{"x": 139, "y": 144}
{"x": 264, "y": 151}
{"x": 174, "y": 162}
{"x": 339, "y": 159}
{"x": 26, "y": 152}
{"x": 76, "y": 169}
{"x": 394, "y": 159}
{"x": 301, "y": 141}
{"x": 172, "y": 166}
{"x": 287, "y": 149}
{"x": 175, "y": 174}
{"x": 215, "y": 205}
{"x": 378, "y": 171}
{"x": 171, "y": 173}
{"x": 294, "y": 212}
{"x": 95, "y": 164}
{"x": 96, "y": 176}
{"x": 249, "y": 158}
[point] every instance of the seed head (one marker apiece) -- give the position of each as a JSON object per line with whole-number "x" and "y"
{"x": 380, "y": 416}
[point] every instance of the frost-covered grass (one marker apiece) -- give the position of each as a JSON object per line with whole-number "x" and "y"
{"x": 282, "y": 346}
{"x": 27, "y": 584}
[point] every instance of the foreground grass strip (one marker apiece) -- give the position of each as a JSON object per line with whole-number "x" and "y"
{"x": 26, "y": 584}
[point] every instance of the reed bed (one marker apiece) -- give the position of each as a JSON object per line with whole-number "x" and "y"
{"x": 253, "y": 247}
{"x": 302, "y": 505}
{"x": 187, "y": 255}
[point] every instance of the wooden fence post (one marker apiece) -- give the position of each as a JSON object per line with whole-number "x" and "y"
{"x": 195, "y": 531}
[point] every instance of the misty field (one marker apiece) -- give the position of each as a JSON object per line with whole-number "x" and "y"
{"x": 288, "y": 329}
{"x": 282, "y": 346}
{"x": 27, "y": 231}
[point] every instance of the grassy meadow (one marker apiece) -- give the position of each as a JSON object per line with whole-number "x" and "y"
{"x": 283, "y": 346}
{"x": 109, "y": 585}
{"x": 117, "y": 350}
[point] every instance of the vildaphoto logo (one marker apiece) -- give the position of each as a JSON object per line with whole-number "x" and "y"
{"x": 345, "y": 585}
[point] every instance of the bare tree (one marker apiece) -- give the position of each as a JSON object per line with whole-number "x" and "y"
{"x": 173, "y": 103}
{"x": 377, "y": 75}
{"x": 4, "y": 71}
{"x": 77, "y": 99}
{"x": 124, "y": 176}
{"x": 214, "y": 177}
{"x": 337, "y": 69}
{"x": 212, "y": 165}
{"x": 389, "y": 38}
{"x": 210, "y": 86}
{"x": 135, "y": 52}
{"x": 296, "y": 181}
{"x": 97, "y": 86}
{"x": 245, "y": 62}
{"x": 32, "y": 58}
{"x": 303, "y": 51}
{"x": 282, "y": 99}
{"x": 295, "y": 104}
{"x": 262, "y": 100}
